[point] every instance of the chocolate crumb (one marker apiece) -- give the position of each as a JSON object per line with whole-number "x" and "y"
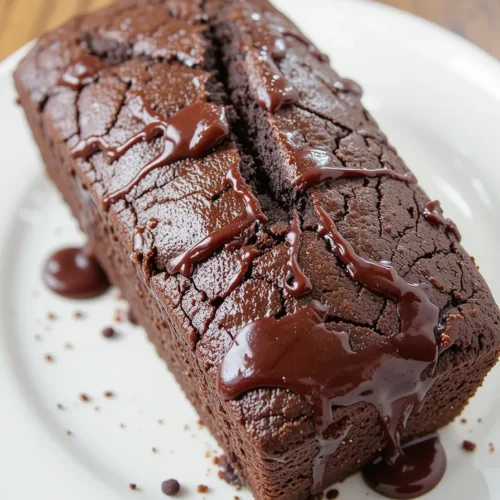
{"x": 109, "y": 394}
{"x": 468, "y": 445}
{"x": 133, "y": 486}
{"x": 491, "y": 447}
{"x": 108, "y": 332}
{"x": 69, "y": 433}
{"x": 51, "y": 316}
{"x": 78, "y": 314}
{"x": 154, "y": 450}
{"x": 84, "y": 398}
{"x": 170, "y": 487}
{"x": 49, "y": 358}
{"x": 330, "y": 495}
{"x": 463, "y": 420}
{"x": 202, "y": 488}
{"x": 227, "y": 472}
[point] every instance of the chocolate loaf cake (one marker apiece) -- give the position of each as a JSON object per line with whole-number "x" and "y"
{"x": 312, "y": 302}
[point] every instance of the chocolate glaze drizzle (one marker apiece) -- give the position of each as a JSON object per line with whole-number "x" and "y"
{"x": 184, "y": 263}
{"x": 300, "y": 353}
{"x": 348, "y": 85}
{"x": 73, "y": 273}
{"x": 248, "y": 255}
{"x": 315, "y": 165}
{"x": 415, "y": 472}
{"x": 191, "y": 133}
{"x": 270, "y": 88}
{"x": 434, "y": 214}
{"x": 296, "y": 283}
{"x": 81, "y": 72}
{"x": 305, "y": 41}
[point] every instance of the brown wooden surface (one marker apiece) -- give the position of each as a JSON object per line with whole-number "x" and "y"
{"x": 477, "y": 20}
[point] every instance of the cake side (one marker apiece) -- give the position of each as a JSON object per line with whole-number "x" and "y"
{"x": 198, "y": 315}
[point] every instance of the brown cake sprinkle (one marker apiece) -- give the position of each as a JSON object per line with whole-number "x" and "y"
{"x": 469, "y": 445}
{"x": 170, "y": 487}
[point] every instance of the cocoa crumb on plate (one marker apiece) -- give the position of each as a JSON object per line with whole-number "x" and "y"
{"x": 468, "y": 445}
{"x": 170, "y": 487}
{"x": 109, "y": 332}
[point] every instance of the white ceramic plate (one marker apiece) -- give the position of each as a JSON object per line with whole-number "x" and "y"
{"x": 436, "y": 96}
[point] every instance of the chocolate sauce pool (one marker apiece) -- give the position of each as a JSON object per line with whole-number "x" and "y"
{"x": 72, "y": 273}
{"x": 416, "y": 471}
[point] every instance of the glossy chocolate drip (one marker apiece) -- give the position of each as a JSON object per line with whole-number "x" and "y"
{"x": 72, "y": 273}
{"x": 300, "y": 353}
{"x": 296, "y": 282}
{"x": 139, "y": 242}
{"x": 415, "y": 472}
{"x": 184, "y": 263}
{"x": 248, "y": 255}
{"x": 81, "y": 72}
{"x": 348, "y": 86}
{"x": 191, "y": 133}
{"x": 315, "y": 165}
{"x": 270, "y": 88}
{"x": 304, "y": 40}
{"x": 434, "y": 214}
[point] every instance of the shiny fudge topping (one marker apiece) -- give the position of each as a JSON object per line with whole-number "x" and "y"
{"x": 191, "y": 133}
{"x": 300, "y": 353}
{"x": 81, "y": 72}
{"x": 184, "y": 263}
{"x": 247, "y": 256}
{"x": 348, "y": 85}
{"x": 73, "y": 273}
{"x": 268, "y": 85}
{"x": 315, "y": 165}
{"x": 296, "y": 282}
{"x": 415, "y": 472}
{"x": 433, "y": 213}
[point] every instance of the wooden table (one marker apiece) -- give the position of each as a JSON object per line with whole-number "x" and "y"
{"x": 477, "y": 20}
